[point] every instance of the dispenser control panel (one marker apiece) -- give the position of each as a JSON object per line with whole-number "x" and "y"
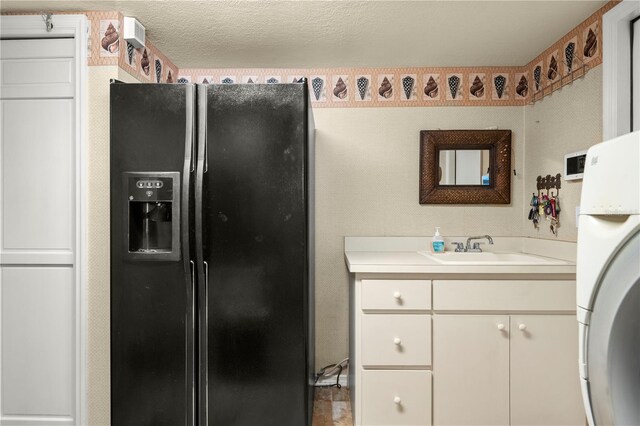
{"x": 149, "y": 183}
{"x": 152, "y": 215}
{"x": 150, "y": 189}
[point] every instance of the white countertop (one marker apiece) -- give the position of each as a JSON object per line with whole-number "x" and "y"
{"x": 386, "y": 255}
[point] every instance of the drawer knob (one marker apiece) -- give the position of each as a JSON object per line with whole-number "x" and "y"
{"x": 522, "y": 326}
{"x": 397, "y": 400}
{"x": 397, "y": 295}
{"x": 501, "y": 327}
{"x": 397, "y": 341}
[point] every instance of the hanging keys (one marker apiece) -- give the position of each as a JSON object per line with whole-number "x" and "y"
{"x": 552, "y": 207}
{"x": 546, "y": 206}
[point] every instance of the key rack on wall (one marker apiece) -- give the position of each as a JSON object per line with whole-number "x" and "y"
{"x": 546, "y": 206}
{"x": 549, "y": 182}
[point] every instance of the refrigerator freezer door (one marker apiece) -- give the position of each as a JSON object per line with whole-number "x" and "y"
{"x": 254, "y": 243}
{"x": 152, "y": 372}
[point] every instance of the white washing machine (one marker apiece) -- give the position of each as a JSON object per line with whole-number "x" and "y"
{"x": 608, "y": 282}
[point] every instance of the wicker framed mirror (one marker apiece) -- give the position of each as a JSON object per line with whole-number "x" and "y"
{"x": 465, "y": 167}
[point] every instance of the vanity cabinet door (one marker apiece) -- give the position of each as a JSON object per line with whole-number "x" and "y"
{"x": 471, "y": 369}
{"x": 545, "y": 388}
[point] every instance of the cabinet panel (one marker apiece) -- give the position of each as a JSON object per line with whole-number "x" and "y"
{"x": 396, "y": 340}
{"x": 37, "y": 78}
{"x": 545, "y": 387}
{"x": 38, "y": 341}
{"x": 398, "y": 295}
{"x": 38, "y": 174}
{"x": 37, "y": 68}
{"x": 397, "y": 398}
{"x": 471, "y": 370}
{"x": 506, "y": 295}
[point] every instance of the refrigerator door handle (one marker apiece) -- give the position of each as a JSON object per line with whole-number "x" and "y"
{"x": 191, "y": 349}
{"x": 201, "y": 265}
{"x": 206, "y": 157}
{"x": 193, "y": 154}
{"x": 200, "y": 168}
{"x": 186, "y": 175}
{"x": 189, "y": 265}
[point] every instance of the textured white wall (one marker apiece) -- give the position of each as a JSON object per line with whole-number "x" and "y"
{"x": 367, "y": 163}
{"x": 569, "y": 120}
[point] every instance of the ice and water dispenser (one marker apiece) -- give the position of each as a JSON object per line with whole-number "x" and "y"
{"x": 152, "y": 221}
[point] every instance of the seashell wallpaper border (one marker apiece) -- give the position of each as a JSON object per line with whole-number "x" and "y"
{"x": 371, "y": 87}
{"x": 440, "y": 86}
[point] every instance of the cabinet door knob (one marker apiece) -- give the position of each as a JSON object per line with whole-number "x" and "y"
{"x": 500, "y": 327}
{"x": 522, "y": 326}
{"x": 397, "y": 400}
{"x": 397, "y": 341}
{"x": 397, "y": 295}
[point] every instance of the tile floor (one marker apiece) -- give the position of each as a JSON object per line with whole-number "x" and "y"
{"x": 332, "y": 407}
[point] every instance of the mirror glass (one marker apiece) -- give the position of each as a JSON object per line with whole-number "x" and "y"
{"x": 463, "y": 167}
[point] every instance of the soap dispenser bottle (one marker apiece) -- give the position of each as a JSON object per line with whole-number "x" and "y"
{"x": 437, "y": 243}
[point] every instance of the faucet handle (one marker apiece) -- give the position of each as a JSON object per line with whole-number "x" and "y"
{"x": 476, "y": 246}
{"x": 459, "y": 246}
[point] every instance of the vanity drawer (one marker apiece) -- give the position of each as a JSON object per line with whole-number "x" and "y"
{"x": 396, "y": 398}
{"x": 403, "y": 339}
{"x": 506, "y": 295}
{"x": 397, "y": 295}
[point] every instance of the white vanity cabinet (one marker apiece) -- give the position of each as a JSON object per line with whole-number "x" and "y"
{"x": 391, "y": 343}
{"x": 427, "y": 348}
{"x": 516, "y": 368}
{"x": 487, "y": 375}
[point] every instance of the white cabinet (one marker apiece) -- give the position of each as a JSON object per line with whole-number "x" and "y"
{"x": 517, "y": 369}
{"x": 391, "y": 355}
{"x": 471, "y": 369}
{"x": 464, "y": 352}
{"x": 396, "y": 398}
{"x": 544, "y": 382}
{"x": 396, "y": 295}
{"x": 396, "y": 340}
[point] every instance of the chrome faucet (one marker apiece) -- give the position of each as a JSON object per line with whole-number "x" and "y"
{"x": 476, "y": 246}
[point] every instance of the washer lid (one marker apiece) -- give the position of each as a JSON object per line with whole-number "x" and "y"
{"x": 613, "y": 345}
{"x": 611, "y": 183}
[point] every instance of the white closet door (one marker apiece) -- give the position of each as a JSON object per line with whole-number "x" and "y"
{"x": 37, "y": 233}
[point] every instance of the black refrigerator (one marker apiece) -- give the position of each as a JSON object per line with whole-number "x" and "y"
{"x": 212, "y": 236}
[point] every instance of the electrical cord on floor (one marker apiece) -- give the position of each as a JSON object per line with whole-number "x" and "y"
{"x": 330, "y": 370}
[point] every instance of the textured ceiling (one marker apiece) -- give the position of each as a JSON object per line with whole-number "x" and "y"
{"x": 273, "y": 34}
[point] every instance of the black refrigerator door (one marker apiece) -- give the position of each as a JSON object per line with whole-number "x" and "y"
{"x": 152, "y": 286}
{"x": 252, "y": 255}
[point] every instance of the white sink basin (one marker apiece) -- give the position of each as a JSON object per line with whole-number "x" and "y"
{"x": 491, "y": 258}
